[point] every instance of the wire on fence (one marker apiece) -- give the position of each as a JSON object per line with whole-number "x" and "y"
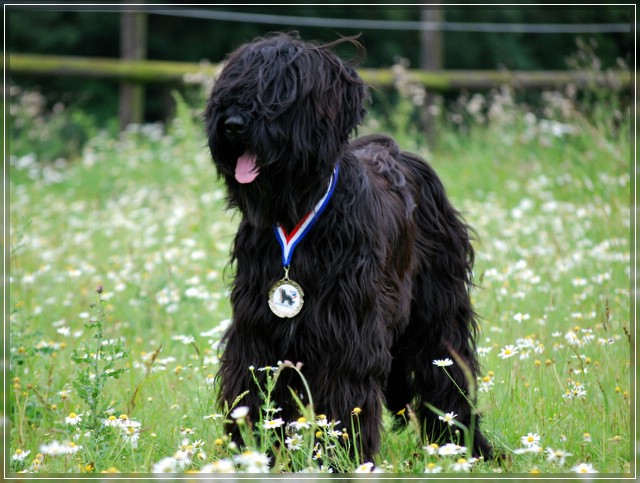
{"x": 353, "y": 23}
{"x": 360, "y": 24}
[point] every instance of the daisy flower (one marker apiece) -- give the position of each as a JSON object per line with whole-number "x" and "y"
{"x": 268, "y": 369}
{"x": 443, "y": 362}
{"x": 53, "y": 449}
{"x": 483, "y": 351}
{"x": 240, "y": 413}
{"x": 165, "y": 465}
{"x": 323, "y": 422}
{"x": 530, "y": 439}
{"x": 131, "y": 434}
{"x": 36, "y": 464}
{"x": 557, "y": 455}
{"x": 273, "y": 423}
{"x": 364, "y": 468}
{"x": 220, "y": 466}
{"x": 301, "y": 423}
{"x": 507, "y": 352}
{"x": 520, "y": 317}
{"x": 294, "y": 442}
{"x": 433, "y": 468}
{"x": 111, "y": 421}
{"x": 253, "y": 461}
{"x": 432, "y": 449}
{"x": 20, "y": 455}
{"x": 73, "y": 419}
{"x": 448, "y": 418}
{"x": 486, "y": 384}
{"x": 576, "y": 390}
{"x": 71, "y": 448}
{"x": 183, "y": 458}
{"x": 461, "y": 465}
{"x": 584, "y": 468}
{"x": 451, "y": 449}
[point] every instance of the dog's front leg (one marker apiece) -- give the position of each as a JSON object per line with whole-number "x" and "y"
{"x": 347, "y": 383}
{"x": 357, "y": 405}
{"x": 237, "y": 388}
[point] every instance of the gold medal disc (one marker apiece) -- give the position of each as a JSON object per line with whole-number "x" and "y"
{"x": 286, "y": 298}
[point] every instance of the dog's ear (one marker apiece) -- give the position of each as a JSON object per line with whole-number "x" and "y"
{"x": 354, "y": 99}
{"x": 343, "y": 92}
{"x": 354, "y": 93}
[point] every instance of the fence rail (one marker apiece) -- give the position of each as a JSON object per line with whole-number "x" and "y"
{"x": 152, "y": 71}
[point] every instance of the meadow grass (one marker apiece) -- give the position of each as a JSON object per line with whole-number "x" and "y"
{"x": 118, "y": 297}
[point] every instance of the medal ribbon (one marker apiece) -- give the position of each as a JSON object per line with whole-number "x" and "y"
{"x": 289, "y": 241}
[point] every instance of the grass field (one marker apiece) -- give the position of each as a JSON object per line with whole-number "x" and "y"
{"x": 118, "y": 296}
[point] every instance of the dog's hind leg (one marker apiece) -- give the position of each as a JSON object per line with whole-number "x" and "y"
{"x": 398, "y": 392}
{"x": 441, "y": 329}
{"x": 444, "y": 392}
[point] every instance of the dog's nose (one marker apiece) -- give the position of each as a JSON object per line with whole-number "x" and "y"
{"x": 234, "y": 125}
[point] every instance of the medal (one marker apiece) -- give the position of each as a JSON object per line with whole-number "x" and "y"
{"x": 286, "y": 297}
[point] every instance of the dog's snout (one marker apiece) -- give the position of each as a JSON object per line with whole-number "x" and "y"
{"x": 234, "y": 125}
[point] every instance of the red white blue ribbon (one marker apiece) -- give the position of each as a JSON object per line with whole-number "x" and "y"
{"x": 289, "y": 241}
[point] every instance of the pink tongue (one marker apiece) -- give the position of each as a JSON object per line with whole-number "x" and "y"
{"x": 246, "y": 169}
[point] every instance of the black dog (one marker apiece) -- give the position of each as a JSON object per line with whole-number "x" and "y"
{"x": 383, "y": 258}
{"x": 285, "y": 297}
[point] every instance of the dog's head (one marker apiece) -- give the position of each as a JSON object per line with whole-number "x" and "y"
{"x": 278, "y": 117}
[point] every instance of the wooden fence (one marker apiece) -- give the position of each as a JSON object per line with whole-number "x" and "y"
{"x": 132, "y": 73}
{"x": 152, "y": 71}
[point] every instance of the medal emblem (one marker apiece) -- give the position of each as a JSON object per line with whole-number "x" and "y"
{"x": 286, "y": 298}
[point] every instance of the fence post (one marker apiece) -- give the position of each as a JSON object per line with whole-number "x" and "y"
{"x": 133, "y": 46}
{"x": 431, "y": 59}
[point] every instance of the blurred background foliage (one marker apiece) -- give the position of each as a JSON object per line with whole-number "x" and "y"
{"x": 96, "y": 33}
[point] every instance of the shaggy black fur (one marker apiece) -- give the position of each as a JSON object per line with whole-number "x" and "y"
{"x": 386, "y": 270}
